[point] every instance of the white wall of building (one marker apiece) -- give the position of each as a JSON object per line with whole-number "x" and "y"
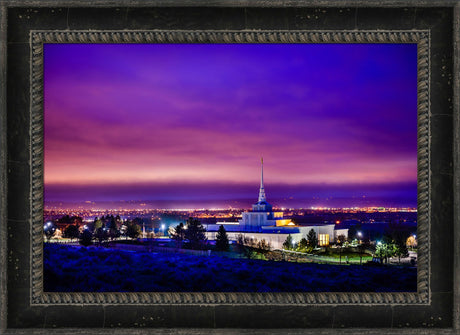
{"x": 276, "y": 240}
{"x": 277, "y": 235}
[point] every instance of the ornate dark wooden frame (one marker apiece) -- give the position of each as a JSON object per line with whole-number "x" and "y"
{"x": 437, "y": 308}
{"x": 422, "y": 38}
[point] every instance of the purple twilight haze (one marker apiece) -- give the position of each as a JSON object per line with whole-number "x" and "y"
{"x": 189, "y": 122}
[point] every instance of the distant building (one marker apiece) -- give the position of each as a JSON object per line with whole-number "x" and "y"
{"x": 263, "y": 224}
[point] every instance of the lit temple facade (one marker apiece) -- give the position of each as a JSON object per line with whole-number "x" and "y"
{"x": 262, "y": 223}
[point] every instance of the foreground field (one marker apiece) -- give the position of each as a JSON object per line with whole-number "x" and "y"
{"x": 80, "y": 269}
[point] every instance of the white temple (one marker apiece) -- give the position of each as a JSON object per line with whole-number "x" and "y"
{"x": 262, "y": 223}
{"x": 262, "y": 214}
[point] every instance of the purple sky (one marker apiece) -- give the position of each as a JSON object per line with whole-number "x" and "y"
{"x": 175, "y": 121}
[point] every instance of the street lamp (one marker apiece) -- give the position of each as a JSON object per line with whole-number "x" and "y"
{"x": 360, "y": 235}
{"x": 49, "y": 229}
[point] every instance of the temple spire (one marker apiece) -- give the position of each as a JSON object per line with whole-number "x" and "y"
{"x": 262, "y": 191}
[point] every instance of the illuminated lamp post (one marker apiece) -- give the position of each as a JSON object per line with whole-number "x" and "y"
{"x": 360, "y": 248}
{"x": 49, "y": 229}
{"x": 360, "y": 235}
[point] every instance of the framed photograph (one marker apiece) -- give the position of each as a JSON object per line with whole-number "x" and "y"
{"x": 228, "y": 167}
{"x": 352, "y": 199}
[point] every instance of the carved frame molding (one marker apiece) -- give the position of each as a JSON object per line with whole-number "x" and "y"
{"x": 39, "y": 37}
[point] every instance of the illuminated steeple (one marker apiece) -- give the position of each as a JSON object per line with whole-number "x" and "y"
{"x": 262, "y": 197}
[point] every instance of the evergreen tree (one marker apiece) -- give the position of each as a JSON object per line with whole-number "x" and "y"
{"x": 86, "y": 238}
{"x": 312, "y": 240}
{"x": 101, "y": 235}
{"x": 98, "y": 223}
{"x": 133, "y": 230}
{"x": 244, "y": 248}
{"x": 303, "y": 243}
{"x": 178, "y": 234}
{"x": 195, "y": 234}
{"x": 112, "y": 228}
{"x": 71, "y": 232}
{"x": 222, "y": 243}
{"x": 287, "y": 244}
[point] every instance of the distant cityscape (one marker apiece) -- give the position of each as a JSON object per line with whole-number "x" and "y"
{"x": 342, "y": 215}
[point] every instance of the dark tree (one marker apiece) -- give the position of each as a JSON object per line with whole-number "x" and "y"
{"x": 112, "y": 228}
{"x": 86, "y": 238}
{"x": 133, "y": 230}
{"x": 98, "y": 223}
{"x": 341, "y": 239}
{"x": 264, "y": 246}
{"x": 65, "y": 219}
{"x": 118, "y": 221}
{"x": 401, "y": 250}
{"x": 178, "y": 235}
{"x": 353, "y": 231}
{"x": 112, "y": 224}
{"x": 102, "y": 235}
{"x": 312, "y": 240}
{"x": 287, "y": 244}
{"x": 303, "y": 244}
{"x": 244, "y": 246}
{"x": 138, "y": 221}
{"x": 361, "y": 249}
{"x": 195, "y": 234}
{"x": 77, "y": 220}
{"x": 71, "y": 232}
{"x": 222, "y": 243}
{"x": 400, "y": 239}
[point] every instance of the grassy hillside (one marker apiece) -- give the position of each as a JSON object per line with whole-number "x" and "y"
{"x": 80, "y": 269}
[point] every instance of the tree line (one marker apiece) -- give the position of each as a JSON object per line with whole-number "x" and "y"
{"x": 192, "y": 235}
{"x": 105, "y": 228}
{"x": 392, "y": 244}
